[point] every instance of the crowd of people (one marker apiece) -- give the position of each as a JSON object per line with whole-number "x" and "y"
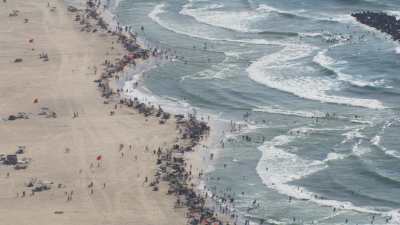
{"x": 172, "y": 166}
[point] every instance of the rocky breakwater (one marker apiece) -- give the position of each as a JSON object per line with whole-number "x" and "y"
{"x": 381, "y": 21}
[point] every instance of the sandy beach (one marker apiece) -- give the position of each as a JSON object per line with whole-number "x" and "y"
{"x": 138, "y": 112}
{"x": 64, "y": 150}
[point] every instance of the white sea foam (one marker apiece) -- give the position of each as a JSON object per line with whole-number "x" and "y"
{"x": 362, "y": 122}
{"x": 143, "y": 94}
{"x": 397, "y": 50}
{"x": 394, "y": 13}
{"x": 359, "y": 150}
{"x": 335, "y": 156}
{"x": 135, "y": 75}
{"x": 395, "y": 215}
{"x": 377, "y": 139}
{"x": 220, "y": 71}
{"x": 268, "y": 8}
{"x": 274, "y": 109}
{"x": 243, "y": 20}
{"x": 311, "y": 130}
{"x": 313, "y": 88}
{"x": 234, "y": 20}
{"x": 176, "y": 28}
{"x": 340, "y": 18}
{"x": 353, "y": 134}
{"x": 310, "y": 34}
{"x": 393, "y": 153}
{"x": 157, "y": 10}
{"x": 284, "y": 167}
{"x": 327, "y": 62}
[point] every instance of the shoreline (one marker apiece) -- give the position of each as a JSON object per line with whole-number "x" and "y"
{"x": 193, "y": 132}
{"x": 86, "y": 141}
{"x": 192, "y": 154}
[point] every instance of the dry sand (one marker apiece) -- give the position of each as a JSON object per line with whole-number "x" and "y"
{"x": 65, "y": 85}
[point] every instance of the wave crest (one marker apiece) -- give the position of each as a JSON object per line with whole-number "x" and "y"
{"x": 312, "y": 88}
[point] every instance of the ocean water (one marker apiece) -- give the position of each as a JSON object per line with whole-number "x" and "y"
{"x": 284, "y": 63}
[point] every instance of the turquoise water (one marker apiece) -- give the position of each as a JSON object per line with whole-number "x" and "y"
{"x": 285, "y": 63}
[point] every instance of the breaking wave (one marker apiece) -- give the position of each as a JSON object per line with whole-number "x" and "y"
{"x": 279, "y": 110}
{"x": 159, "y": 9}
{"x": 312, "y": 88}
{"x": 277, "y": 168}
{"x": 329, "y": 63}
